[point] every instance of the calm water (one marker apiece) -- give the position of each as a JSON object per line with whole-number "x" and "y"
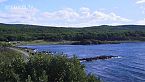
{"x": 129, "y": 68}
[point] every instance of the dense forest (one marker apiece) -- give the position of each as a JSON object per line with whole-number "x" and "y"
{"x": 18, "y": 32}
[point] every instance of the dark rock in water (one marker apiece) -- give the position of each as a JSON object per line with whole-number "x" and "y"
{"x": 97, "y": 58}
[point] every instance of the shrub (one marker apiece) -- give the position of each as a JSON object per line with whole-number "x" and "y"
{"x": 5, "y": 44}
{"x": 45, "y": 68}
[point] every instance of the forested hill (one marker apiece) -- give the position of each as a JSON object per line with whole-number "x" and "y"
{"x": 18, "y": 32}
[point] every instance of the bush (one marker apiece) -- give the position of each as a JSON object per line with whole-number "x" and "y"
{"x": 7, "y": 55}
{"x": 5, "y": 44}
{"x": 45, "y": 68}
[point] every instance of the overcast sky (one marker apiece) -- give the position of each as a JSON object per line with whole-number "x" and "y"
{"x": 72, "y": 12}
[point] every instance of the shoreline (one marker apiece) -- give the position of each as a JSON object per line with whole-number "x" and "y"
{"x": 18, "y": 44}
{"x": 41, "y": 42}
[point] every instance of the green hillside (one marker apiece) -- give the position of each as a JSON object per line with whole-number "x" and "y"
{"x": 18, "y": 32}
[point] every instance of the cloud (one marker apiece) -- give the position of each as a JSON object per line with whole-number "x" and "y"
{"x": 84, "y": 16}
{"x": 18, "y": 14}
{"x": 140, "y": 1}
{"x": 1, "y": 1}
{"x": 66, "y": 14}
{"x": 64, "y": 17}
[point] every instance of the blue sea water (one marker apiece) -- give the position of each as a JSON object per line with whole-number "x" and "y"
{"x": 130, "y": 67}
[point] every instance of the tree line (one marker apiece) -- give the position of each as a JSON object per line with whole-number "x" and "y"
{"x": 16, "y": 32}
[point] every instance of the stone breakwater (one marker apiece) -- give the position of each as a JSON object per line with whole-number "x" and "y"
{"x": 98, "y": 58}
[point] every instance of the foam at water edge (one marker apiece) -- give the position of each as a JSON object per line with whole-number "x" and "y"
{"x": 117, "y": 57}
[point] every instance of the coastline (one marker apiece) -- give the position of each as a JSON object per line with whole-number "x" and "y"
{"x": 42, "y": 42}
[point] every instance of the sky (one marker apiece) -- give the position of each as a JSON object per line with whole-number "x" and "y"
{"x": 73, "y": 13}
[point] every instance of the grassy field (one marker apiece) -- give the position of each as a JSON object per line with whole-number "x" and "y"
{"x": 39, "y": 42}
{"x": 42, "y": 42}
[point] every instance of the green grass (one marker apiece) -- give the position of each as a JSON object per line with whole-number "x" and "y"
{"x": 7, "y": 55}
{"x": 42, "y": 42}
{"x": 39, "y": 42}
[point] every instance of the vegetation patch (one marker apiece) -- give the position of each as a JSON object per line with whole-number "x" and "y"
{"x": 12, "y": 32}
{"x": 93, "y": 42}
{"x": 7, "y": 55}
{"x": 45, "y": 68}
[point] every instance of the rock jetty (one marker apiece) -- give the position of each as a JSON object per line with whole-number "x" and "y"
{"x": 98, "y": 58}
